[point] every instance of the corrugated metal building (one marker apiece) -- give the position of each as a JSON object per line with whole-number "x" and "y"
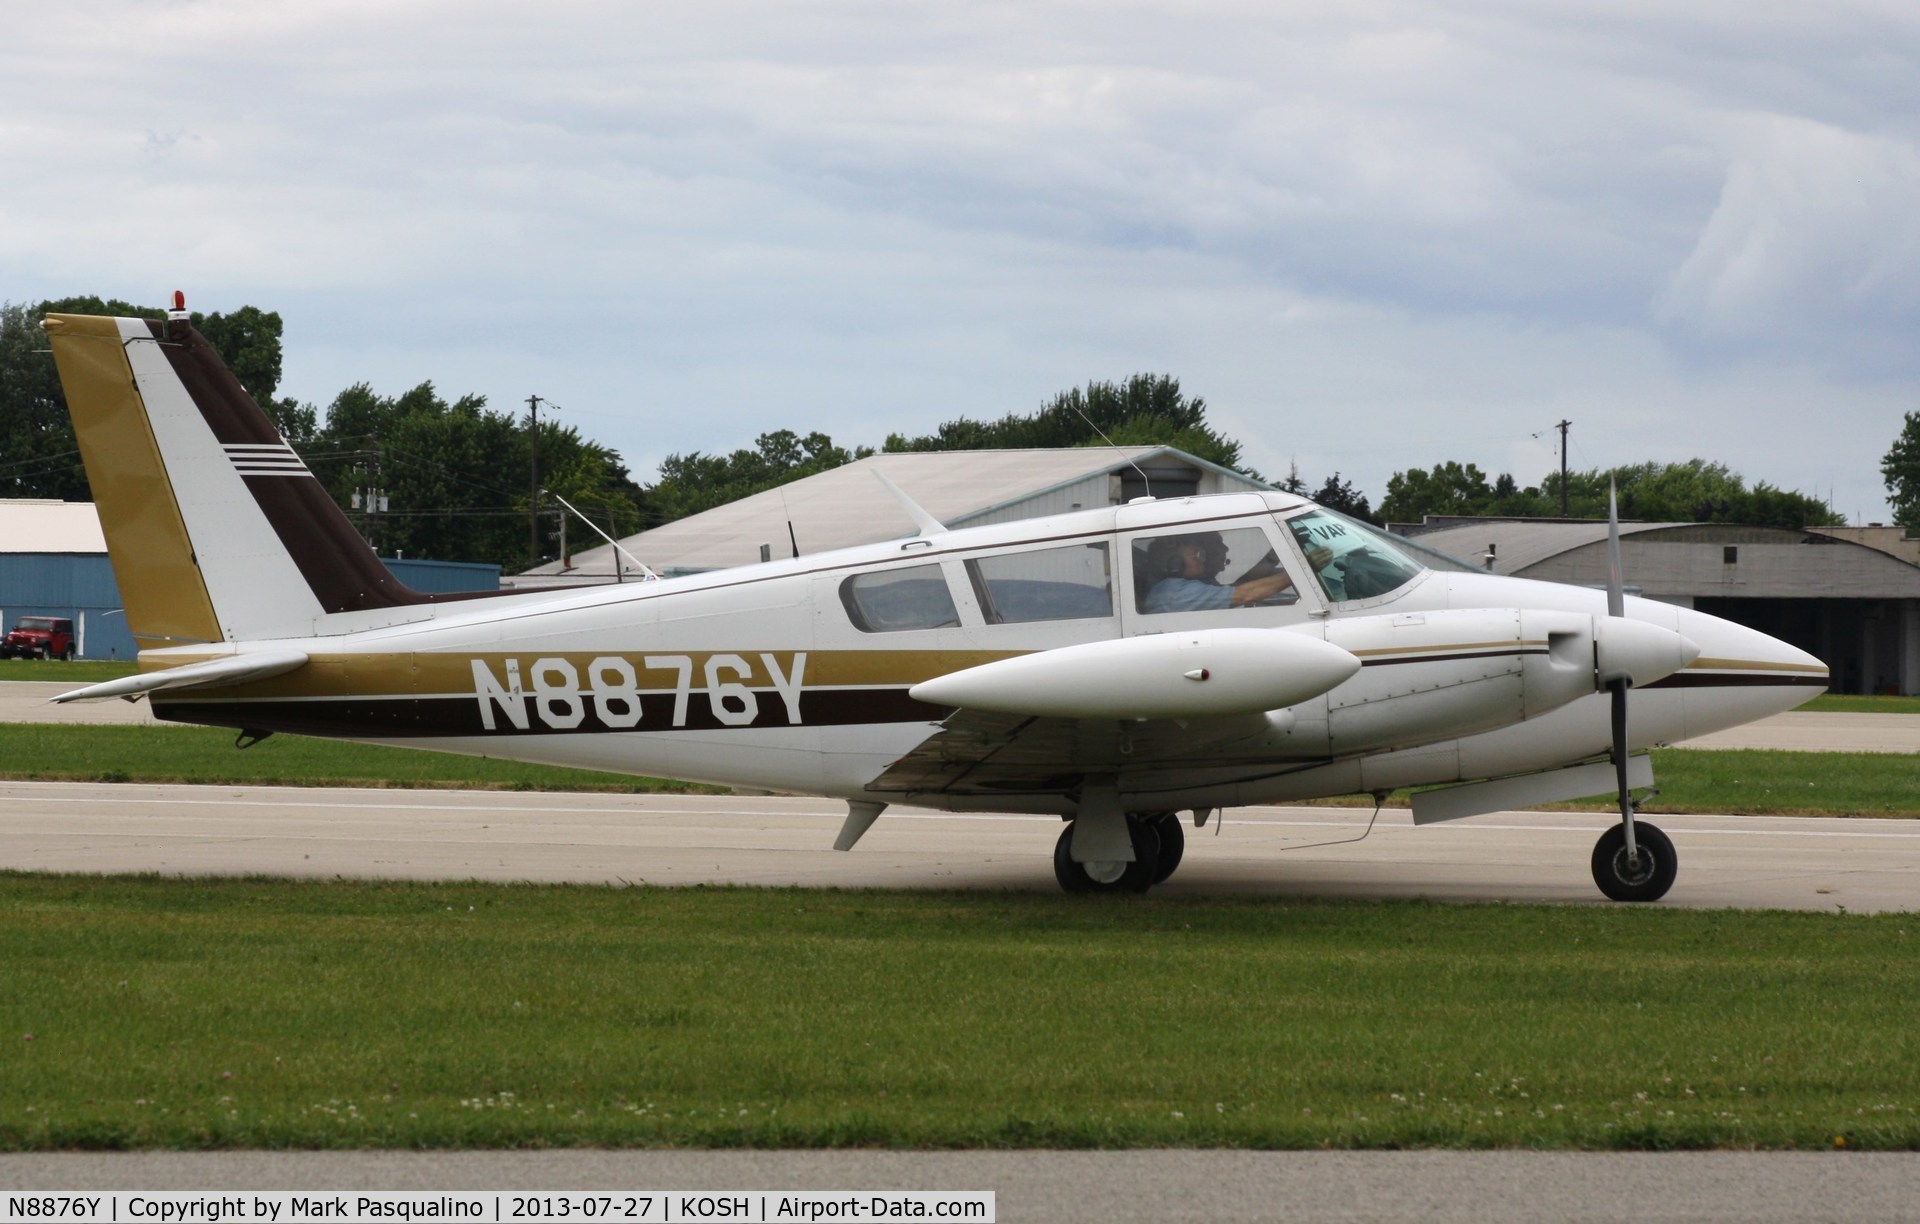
{"x": 848, "y": 506}
{"x": 53, "y": 562}
{"x": 1847, "y": 594}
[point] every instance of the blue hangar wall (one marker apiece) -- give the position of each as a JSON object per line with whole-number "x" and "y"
{"x": 81, "y": 586}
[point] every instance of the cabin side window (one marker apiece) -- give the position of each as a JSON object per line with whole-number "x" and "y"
{"x": 1198, "y": 571}
{"x": 891, "y": 600}
{"x": 1072, "y": 583}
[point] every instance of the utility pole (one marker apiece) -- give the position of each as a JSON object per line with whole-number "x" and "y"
{"x": 533, "y": 496}
{"x": 371, "y": 497}
{"x": 1562, "y": 427}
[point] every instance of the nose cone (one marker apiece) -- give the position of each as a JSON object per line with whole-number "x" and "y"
{"x": 1741, "y": 674}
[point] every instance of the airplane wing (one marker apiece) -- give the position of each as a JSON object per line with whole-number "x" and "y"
{"x": 980, "y": 752}
{"x": 1163, "y": 710}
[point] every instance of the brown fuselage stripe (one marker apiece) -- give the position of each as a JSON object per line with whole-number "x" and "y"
{"x": 422, "y": 717}
{"x": 1448, "y": 658}
{"x": 1723, "y": 680}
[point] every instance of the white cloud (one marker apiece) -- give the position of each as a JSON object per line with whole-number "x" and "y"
{"x": 1816, "y": 231}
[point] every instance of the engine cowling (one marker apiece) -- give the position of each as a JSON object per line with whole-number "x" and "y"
{"x": 1434, "y": 676}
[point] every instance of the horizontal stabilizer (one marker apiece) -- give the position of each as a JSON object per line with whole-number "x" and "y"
{"x": 1507, "y": 794}
{"x": 235, "y": 669}
{"x": 1209, "y": 673}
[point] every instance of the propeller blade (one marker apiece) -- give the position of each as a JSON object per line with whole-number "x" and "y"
{"x": 1616, "y": 589}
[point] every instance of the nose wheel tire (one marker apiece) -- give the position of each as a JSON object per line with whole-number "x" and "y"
{"x": 1110, "y": 877}
{"x": 1624, "y": 878}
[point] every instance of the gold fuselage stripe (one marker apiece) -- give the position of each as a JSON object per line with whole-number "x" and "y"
{"x": 1815, "y": 669}
{"x": 1441, "y": 647}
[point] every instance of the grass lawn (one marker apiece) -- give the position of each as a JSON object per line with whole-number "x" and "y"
{"x": 1841, "y": 703}
{"x": 85, "y": 671}
{"x": 1750, "y": 781}
{"x": 65, "y": 752}
{"x": 141, "y": 1012}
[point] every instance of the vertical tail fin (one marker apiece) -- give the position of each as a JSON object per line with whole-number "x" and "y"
{"x": 216, "y": 529}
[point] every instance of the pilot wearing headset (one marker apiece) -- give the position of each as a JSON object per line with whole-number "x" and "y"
{"x": 1188, "y": 569}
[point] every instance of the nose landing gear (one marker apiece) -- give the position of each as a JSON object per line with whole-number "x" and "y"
{"x": 1644, "y": 875}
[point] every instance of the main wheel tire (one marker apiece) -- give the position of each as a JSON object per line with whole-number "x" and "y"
{"x": 1645, "y": 880}
{"x": 1137, "y": 876}
{"x": 1173, "y": 844}
{"x": 66, "y": 656}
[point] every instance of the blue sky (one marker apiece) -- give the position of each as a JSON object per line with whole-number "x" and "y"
{"x": 1371, "y": 236}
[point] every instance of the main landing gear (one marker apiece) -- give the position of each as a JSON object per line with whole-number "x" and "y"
{"x": 1157, "y": 840}
{"x": 1644, "y": 875}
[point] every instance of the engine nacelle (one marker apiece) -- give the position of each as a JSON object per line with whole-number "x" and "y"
{"x": 1200, "y": 674}
{"x": 1433, "y": 676}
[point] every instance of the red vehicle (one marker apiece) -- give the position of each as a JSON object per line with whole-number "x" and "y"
{"x": 39, "y": 637}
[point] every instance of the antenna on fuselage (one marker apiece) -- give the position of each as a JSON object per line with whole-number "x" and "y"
{"x": 928, "y": 525}
{"x": 647, "y": 575}
{"x": 1144, "y": 482}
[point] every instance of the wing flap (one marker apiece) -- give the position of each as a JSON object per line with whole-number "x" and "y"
{"x": 984, "y": 753}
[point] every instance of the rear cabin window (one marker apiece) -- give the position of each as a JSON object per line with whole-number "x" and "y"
{"x": 892, "y": 600}
{"x": 1073, "y": 583}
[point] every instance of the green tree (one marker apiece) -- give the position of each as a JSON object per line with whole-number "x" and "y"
{"x": 453, "y": 475}
{"x": 1146, "y": 410}
{"x": 694, "y": 482}
{"x": 1446, "y": 488}
{"x": 1901, "y": 469}
{"x": 1694, "y": 491}
{"x": 1338, "y": 494}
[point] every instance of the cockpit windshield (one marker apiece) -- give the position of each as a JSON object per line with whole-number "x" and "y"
{"x": 1352, "y": 560}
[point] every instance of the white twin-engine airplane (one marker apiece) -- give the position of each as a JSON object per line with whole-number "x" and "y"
{"x": 1114, "y": 667}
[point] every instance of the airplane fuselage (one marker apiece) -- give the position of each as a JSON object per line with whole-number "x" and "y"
{"x": 766, "y": 677}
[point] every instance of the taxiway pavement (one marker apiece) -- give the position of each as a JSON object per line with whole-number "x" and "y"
{"x": 1783, "y": 862}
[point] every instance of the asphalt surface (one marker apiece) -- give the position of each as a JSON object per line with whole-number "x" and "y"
{"x": 1749, "y": 861}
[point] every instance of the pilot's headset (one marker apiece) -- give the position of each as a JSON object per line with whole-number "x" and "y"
{"x": 1163, "y": 555}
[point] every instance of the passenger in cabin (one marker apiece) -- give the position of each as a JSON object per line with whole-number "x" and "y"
{"x": 1185, "y": 573}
